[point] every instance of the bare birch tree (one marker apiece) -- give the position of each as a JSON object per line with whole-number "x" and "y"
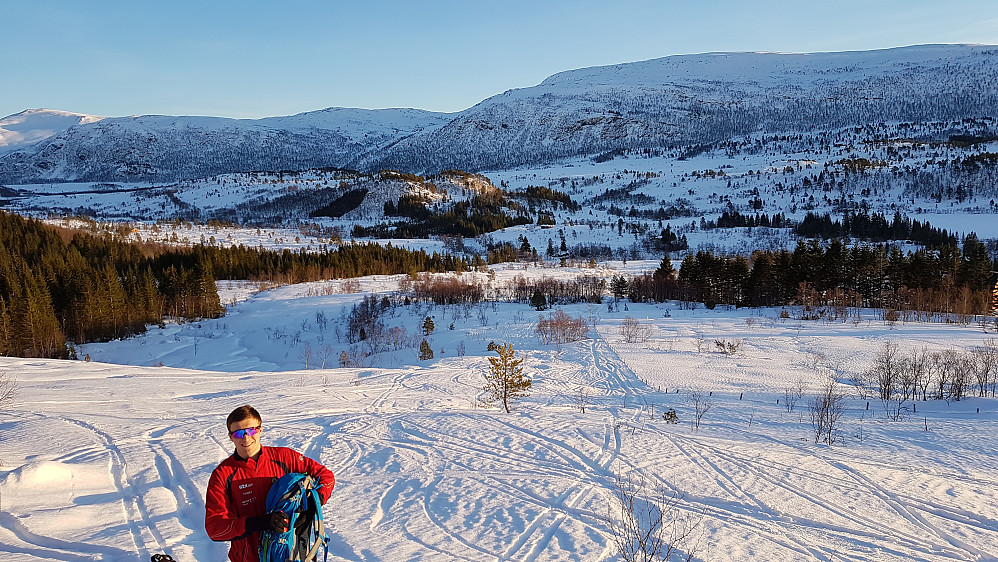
{"x": 826, "y": 408}
{"x": 8, "y": 388}
{"x": 646, "y": 524}
{"x": 702, "y": 403}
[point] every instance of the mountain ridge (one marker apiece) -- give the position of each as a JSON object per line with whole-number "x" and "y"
{"x": 680, "y": 100}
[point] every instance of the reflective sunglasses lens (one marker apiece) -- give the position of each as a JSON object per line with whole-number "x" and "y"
{"x": 240, "y": 433}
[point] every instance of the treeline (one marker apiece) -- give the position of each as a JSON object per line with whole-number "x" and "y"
{"x": 342, "y": 204}
{"x": 548, "y": 194}
{"x": 680, "y": 209}
{"x": 57, "y": 285}
{"x": 734, "y": 219}
{"x": 875, "y": 228}
{"x": 945, "y": 280}
{"x": 464, "y": 291}
{"x": 863, "y": 225}
{"x": 831, "y": 282}
{"x": 479, "y": 215}
{"x": 301, "y": 266}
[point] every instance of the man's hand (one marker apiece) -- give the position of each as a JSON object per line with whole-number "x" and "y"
{"x": 276, "y": 522}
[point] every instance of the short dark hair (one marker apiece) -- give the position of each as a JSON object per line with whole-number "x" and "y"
{"x": 242, "y": 413}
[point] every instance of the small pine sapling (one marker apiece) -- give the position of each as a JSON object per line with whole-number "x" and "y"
{"x": 505, "y": 380}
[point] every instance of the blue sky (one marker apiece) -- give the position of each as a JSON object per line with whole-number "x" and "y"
{"x": 257, "y": 59}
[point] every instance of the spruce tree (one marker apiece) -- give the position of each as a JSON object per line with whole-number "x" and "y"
{"x": 5, "y": 329}
{"x": 538, "y": 301}
{"x": 36, "y": 332}
{"x": 665, "y": 269}
{"x": 975, "y": 268}
{"x": 425, "y": 351}
{"x": 618, "y": 286}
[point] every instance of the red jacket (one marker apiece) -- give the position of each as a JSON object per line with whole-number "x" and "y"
{"x": 238, "y": 489}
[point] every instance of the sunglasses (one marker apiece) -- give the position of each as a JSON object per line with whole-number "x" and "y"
{"x": 240, "y": 433}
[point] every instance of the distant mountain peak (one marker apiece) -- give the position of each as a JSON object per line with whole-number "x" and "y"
{"x": 33, "y": 125}
{"x": 669, "y": 102}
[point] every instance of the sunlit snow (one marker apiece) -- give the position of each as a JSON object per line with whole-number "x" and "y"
{"x": 109, "y": 459}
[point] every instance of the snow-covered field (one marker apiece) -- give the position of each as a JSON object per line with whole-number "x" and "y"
{"x": 109, "y": 459}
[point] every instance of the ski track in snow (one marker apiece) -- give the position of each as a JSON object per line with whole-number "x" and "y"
{"x": 135, "y": 514}
{"x": 134, "y": 508}
{"x": 48, "y": 548}
{"x": 965, "y": 550}
{"x": 397, "y": 384}
{"x": 708, "y": 459}
{"x": 424, "y": 473}
{"x": 746, "y": 468}
{"x": 190, "y": 504}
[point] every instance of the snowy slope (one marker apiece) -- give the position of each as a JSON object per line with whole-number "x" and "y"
{"x": 33, "y": 125}
{"x": 166, "y": 148}
{"x": 679, "y": 100}
{"x": 695, "y": 99}
{"x": 110, "y": 462}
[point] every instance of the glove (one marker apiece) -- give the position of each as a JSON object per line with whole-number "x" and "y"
{"x": 276, "y": 522}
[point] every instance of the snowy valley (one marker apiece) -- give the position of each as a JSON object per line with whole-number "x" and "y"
{"x": 576, "y": 220}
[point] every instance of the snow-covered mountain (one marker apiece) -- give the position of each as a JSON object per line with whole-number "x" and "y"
{"x": 33, "y": 125}
{"x": 686, "y": 100}
{"x": 704, "y": 99}
{"x": 157, "y": 148}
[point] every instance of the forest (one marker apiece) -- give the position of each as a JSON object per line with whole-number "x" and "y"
{"x": 943, "y": 283}
{"x": 481, "y": 214}
{"x": 60, "y": 287}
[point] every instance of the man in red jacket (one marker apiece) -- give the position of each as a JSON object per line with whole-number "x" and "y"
{"x": 236, "y": 500}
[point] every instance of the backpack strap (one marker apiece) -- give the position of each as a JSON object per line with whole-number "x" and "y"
{"x": 319, "y": 530}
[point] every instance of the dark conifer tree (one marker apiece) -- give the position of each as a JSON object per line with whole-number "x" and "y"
{"x": 36, "y": 331}
{"x": 975, "y": 267}
{"x": 5, "y": 329}
{"x": 763, "y": 283}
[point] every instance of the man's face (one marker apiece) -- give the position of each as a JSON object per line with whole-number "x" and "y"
{"x": 248, "y": 445}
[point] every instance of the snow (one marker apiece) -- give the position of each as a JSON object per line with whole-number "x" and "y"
{"x": 761, "y": 69}
{"x": 30, "y": 126}
{"x": 109, "y": 459}
{"x": 679, "y": 100}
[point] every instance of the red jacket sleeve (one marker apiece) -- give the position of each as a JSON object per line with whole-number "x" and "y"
{"x": 220, "y": 520}
{"x": 301, "y": 463}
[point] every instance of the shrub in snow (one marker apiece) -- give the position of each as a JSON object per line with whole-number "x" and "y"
{"x": 670, "y": 416}
{"x": 633, "y": 332}
{"x": 826, "y": 408}
{"x": 701, "y": 403}
{"x": 8, "y": 388}
{"x": 559, "y": 328}
{"x": 647, "y": 523}
{"x": 425, "y": 351}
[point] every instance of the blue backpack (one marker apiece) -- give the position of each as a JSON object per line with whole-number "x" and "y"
{"x": 296, "y": 496}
